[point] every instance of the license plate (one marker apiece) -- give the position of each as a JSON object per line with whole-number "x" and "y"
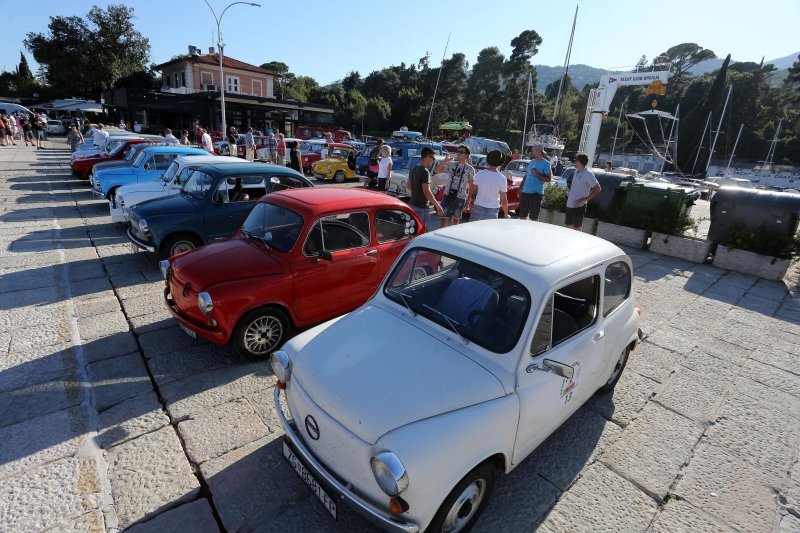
{"x": 312, "y": 483}
{"x": 189, "y": 332}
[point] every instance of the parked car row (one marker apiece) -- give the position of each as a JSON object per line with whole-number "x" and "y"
{"x": 392, "y": 347}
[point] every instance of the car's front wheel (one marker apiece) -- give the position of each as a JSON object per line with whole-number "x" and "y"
{"x": 466, "y": 502}
{"x": 339, "y": 177}
{"x": 616, "y": 373}
{"x": 177, "y": 244}
{"x": 261, "y": 332}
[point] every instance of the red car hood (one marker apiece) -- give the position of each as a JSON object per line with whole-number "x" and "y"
{"x": 225, "y": 261}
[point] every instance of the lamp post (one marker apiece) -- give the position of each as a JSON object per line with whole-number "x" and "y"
{"x": 220, "y": 44}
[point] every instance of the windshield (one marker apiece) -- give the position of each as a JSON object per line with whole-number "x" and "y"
{"x": 184, "y": 175}
{"x": 117, "y": 148}
{"x": 198, "y": 185}
{"x": 139, "y": 158}
{"x": 112, "y": 144}
{"x": 481, "y": 305}
{"x": 170, "y": 172}
{"x": 275, "y": 226}
{"x": 521, "y": 166}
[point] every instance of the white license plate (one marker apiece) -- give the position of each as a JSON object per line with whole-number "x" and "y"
{"x": 312, "y": 483}
{"x": 189, "y": 332}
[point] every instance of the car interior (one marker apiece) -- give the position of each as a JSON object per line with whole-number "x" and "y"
{"x": 571, "y": 309}
{"x": 338, "y": 232}
{"x": 488, "y": 308}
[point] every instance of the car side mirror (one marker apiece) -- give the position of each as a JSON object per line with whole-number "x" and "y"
{"x": 326, "y": 255}
{"x": 559, "y": 369}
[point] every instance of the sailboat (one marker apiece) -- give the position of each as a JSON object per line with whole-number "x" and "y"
{"x": 545, "y": 133}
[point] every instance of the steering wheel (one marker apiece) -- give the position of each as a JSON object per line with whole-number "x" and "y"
{"x": 477, "y": 313}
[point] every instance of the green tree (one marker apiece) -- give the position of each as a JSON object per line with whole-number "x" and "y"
{"x": 82, "y": 56}
{"x": 377, "y": 115}
{"x": 23, "y": 70}
{"x": 276, "y": 66}
{"x": 682, "y": 58}
{"x": 482, "y": 95}
{"x": 352, "y": 81}
{"x": 516, "y": 69}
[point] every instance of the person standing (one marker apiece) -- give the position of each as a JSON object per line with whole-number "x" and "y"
{"x": 323, "y": 154}
{"x": 280, "y": 149}
{"x": 272, "y": 148}
{"x": 205, "y": 141}
{"x": 12, "y": 126}
{"x": 418, "y": 184}
{"x": 488, "y": 193}
{"x": 462, "y": 175}
{"x": 532, "y": 189}
{"x": 295, "y": 161}
{"x": 372, "y": 169}
{"x": 249, "y": 145}
{"x": 584, "y": 188}
{"x": 39, "y": 126}
{"x": 99, "y": 136}
{"x": 232, "y": 138}
{"x": 185, "y": 138}
{"x": 384, "y": 168}
{"x": 74, "y": 137}
{"x": 137, "y": 128}
{"x": 27, "y": 129}
{"x": 121, "y": 124}
{"x": 169, "y": 138}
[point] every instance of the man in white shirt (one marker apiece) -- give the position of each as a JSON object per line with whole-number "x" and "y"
{"x": 584, "y": 187}
{"x": 137, "y": 128}
{"x": 100, "y": 135}
{"x": 323, "y": 154}
{"x": 169, "y": 138}
{"x": 249, "y": 145}
{"x": 553, "y": 164}
{"x": 205, "y": 142}
{"x": 489, "y": 189}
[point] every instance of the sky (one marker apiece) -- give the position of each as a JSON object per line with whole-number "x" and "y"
{"x": 326, "y": 40}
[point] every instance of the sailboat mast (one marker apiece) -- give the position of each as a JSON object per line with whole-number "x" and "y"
{"x": 566, "y": 65}
{"x": 719, "y": 127}
{"x": 771, "y": 152}
{"x": 525, "y": 123}
{"x": 700, "y": 146}
{"x": 733, "y": 152}
{"x": 433, "y": 101}
{"x": 616, "y": 132}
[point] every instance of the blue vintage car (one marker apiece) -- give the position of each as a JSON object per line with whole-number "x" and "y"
{"x": 212, "y": 204}
{"x": 402, "y": 152}
{"x": 148, "y": 165}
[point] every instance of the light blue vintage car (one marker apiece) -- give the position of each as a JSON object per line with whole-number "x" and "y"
{"x": 148, "y": 165}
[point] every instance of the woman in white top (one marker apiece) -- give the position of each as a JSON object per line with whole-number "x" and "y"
{"x": 384, "y": 167}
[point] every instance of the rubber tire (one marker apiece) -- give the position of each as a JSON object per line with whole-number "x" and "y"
{"x": 165, "y": 250}
{"x": 340, "y": 176}
{"x": 238, "y": 333}
{"x": 484, "y": 470}
{"x": 609, "y": 386}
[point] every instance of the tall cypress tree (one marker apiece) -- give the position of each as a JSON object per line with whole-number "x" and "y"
{"x": 23, "y": 70}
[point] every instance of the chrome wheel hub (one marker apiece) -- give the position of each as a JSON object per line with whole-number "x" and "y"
{"x": 263, "y": 334}
{"x": 465, "y": 507}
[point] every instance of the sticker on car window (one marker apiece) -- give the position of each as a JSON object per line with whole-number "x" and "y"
{"x": 569, "y": 386}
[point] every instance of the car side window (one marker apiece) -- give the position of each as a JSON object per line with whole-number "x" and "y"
{"x": 150, "y": 164}
{"x": 338, "y": 232}
{"x": 392, "y": 225}
{"x": 282, "y": 182}
{"x": 617, "y": 286}
{"x": 570, "y": 310}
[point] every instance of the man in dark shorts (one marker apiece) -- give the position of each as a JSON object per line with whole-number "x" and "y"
{"x": 418, "y": 184}
{"x": 462, "y": 174}
{"x": 584, "y": 187}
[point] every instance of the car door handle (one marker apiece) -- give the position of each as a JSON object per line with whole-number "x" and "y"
{"x": 371, "y": 252}
{"x": 599, "y": 335}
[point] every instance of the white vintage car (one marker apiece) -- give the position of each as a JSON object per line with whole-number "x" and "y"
{"x": 397, "y": 182}
{"x": 407, "y": 408}
{"x": 170, "y": 183}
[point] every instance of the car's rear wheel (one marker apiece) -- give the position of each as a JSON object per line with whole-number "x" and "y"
{"x": 616, "y": 373}
{"x": 177, "y": 244}
{"x": 339, "y": 177}
{"x": 466, "y": 502}
{"x": 261, "y": 332}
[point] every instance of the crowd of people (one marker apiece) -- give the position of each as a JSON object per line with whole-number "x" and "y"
{"x": 19, "y": 126}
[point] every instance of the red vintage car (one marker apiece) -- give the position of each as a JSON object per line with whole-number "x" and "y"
{"x": 319, "y": 132}
{"x": 301, "y": 257}
{"x": 83, "y": 167}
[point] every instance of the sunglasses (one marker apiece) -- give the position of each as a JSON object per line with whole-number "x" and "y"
{"x": 462, "y": 152}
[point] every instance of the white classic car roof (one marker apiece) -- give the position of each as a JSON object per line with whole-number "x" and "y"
{"x": 530, "y": 243}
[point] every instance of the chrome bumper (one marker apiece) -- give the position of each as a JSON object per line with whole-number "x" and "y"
{"x": 139, "y": 244}
{"x": 375, "y": 516}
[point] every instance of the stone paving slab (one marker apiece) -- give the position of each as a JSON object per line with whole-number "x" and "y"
{"x": 119, "y": 378}
{"x": 149, "y": 475}
{"x": 194, "y": 517}
{"x": 38, "y": 399}
{"x": 130, "y": 419}
{"x": 681, "y": 517}
{"x": 221, "y": 429}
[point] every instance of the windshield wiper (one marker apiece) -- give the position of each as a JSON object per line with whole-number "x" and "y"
{"x": 450, "y": 322}
{"x": 403, "y": 297}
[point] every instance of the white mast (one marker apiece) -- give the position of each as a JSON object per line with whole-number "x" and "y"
{"x": 719, "y": 127}
{"x": 525, "y": 124}
{"x": 441, "y": 67}
{"x": 566, "y": 65}
{"x": 614, "y": 145}
{"x": 733, "y": 152}
{"x": 771, "y": 152}
{"x": 700, "y": 146}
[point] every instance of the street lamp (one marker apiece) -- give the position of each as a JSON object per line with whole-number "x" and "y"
{"x": 220, "y": 44}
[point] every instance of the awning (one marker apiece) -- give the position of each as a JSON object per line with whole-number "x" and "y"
{"x": 76, "y": 105}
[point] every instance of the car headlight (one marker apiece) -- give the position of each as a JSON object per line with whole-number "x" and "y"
{"x": 389, "y": 472}
{"x": 281, "y": 367}
{"x": 204, "y": 303}
{"x": 164, "y": 267}
{"x": 143, "y": 225}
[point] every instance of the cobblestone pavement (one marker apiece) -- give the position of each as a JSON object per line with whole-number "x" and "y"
{"x": 112, "y": 418}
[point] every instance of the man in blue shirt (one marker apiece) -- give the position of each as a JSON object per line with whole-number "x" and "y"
{"x": 532, "y": 190}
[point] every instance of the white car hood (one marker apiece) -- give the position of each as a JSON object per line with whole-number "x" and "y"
{"x": 374, "y": 372}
